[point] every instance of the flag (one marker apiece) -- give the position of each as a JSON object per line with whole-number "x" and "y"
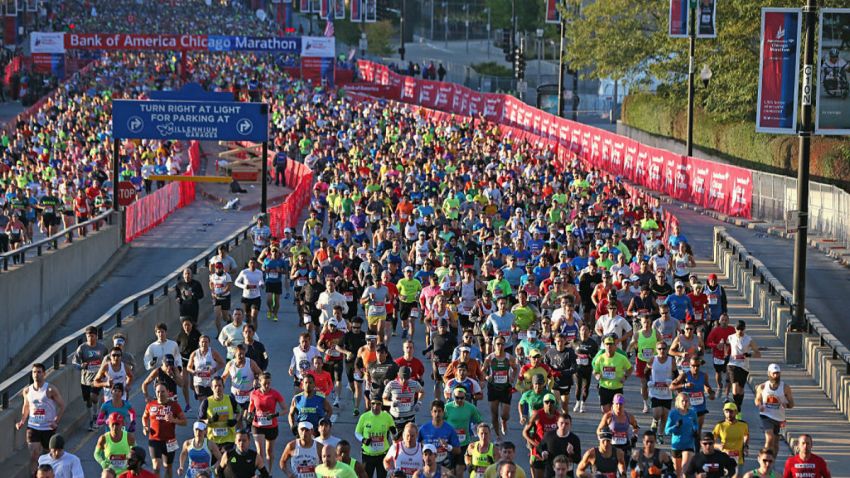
{"x": 329, "y": 26}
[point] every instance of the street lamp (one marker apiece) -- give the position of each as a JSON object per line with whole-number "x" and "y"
{"x": 401, "y": 28}
{"x": 466, "y": 22}
{"x": 692, "y": 37}
{"x": 705, "y": 75}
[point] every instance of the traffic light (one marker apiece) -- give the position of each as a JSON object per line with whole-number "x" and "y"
{"x": 401, "y": 53}
{"x": 519, "y": 64}
{"x": 506, "y": 41}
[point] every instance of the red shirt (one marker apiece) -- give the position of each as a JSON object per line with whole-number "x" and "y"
{"x": 717, "y": 335}
{"x": 415, "y": 365}
{"x": 81, "y": 207}
{"x": 155, "y": 412}
{"x": 329, "y": 341}
{"x": 324, "y": 381}
{"x": 265, "y": 404}
{"x": 392, "y": 294}
{"x": 814, "y": 467}
{"x": 141, "y": 474}
{"x": 700, "y": 302}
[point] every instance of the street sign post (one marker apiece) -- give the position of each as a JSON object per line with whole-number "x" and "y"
{"x": 191, "y": 114}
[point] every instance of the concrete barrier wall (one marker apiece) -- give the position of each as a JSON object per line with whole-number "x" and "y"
{"x": 35, "y": 292}
{"x": 140, "y": 332}
{"x": 825, "y": 364}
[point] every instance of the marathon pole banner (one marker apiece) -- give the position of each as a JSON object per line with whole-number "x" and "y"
{"x": 779, "y": 70}
{"x": 304, "y": 6}
{"x": 833, "y": 112}
{"x": 371, "y": 10}
{"x": 707, "y": 19}
{"x": 356, "y": 11}
{"x": 325, "y": 8}
{"x": 339, "y": 9}
{"x": 552, "y": 13}
{"x": 47, "y": 42}
{"x": 678, "y": 24}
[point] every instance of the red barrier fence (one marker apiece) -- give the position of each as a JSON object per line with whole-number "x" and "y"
{"x": 287, "y": 213}
{"x": 149, "y": 211}
{"x": 724, "y": 188}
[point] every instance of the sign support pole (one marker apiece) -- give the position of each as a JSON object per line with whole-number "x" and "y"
{"x": 264, "y": 178}
{"x": 692, "y": 37}
{"x": 115, "y": 172}
{"x": 806, "y": 130}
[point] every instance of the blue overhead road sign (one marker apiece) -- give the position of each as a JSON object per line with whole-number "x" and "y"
{"x": 187, "y": 120}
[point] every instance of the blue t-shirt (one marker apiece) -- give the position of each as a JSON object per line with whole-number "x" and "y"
{"x": 682, "y": 436}
{"x": 273, "y": 276}
{"x": 431, "y": 435}
{"x": 680, "y": 306}
{"x": 579, "y": 263}
{"x": 513, "y": 275}
{"x": 309, "y": 409}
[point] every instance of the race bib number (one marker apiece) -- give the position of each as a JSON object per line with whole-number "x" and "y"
{"x": 660, "y": 300}
{"x": 171, "y": 445}
{"x": 697, "y": 398}
{"x": 306, "y": 471}
{"x": 461, "y": 435}
{"x": 376, "y": 443}
{"x": 501, "y": 377}
{"x": 272, "y": 275}
{"x": 583, "y": 360}
{"x": 415, "y": 313}
{"x": 609, "y": 373}
{"x": 264, "y": 420}
{"x": 38, "y": 417}
{"x": 619, "y": 438}
{"x": 441, "y": 368}
{"x": 94, "y": 366}
{"x": 349, "y": 297}
{"x": 405, "y": 404}
{"x": 118, "y": 461}
{"x": 300, "y": 282}
{"x": 661, "y": 385}
{"x": 712, "y": 300}
{"x": 739, "y": 357}
{"x": 307, "y": 318}
{"x": 219, "y": 432}
{"x": 719, "y": 360}
{"x": 647, "y": 354}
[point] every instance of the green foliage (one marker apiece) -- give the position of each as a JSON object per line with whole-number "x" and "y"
{"x": 347, "y": 32}
{"x": 529, "y": 14}
{"x": 379, "y": 35}
{"x": 492, "y": 69}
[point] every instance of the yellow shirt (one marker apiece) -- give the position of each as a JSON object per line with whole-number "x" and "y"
{"x": 731, "y": 436}
{"x": 492, "y": 471}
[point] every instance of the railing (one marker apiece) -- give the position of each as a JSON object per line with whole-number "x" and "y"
{"x": 813, "y": 326}
{"x": 58, "y": 354}
{"x": 37, "y": 249}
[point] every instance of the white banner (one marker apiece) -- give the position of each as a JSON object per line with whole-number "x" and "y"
{"x": 318, "y": 47}
{"x": 47, "y": 42}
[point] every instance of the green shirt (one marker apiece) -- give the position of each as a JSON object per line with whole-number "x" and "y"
{"x": 461, "y": 418}
{"x": 532, "y": 400}
{"x": 341, "y": 470}
{"x": 525, "y": 316}
{"x": 408, "y": 290}
{"x": 374, "y": 428}
{"x": 611, "y": 370}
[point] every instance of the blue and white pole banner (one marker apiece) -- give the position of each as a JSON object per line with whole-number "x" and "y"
{"x": 304, "y": 6}
{"x": 779, "y": 70}
{"x": 288, "y": 45}
{"x": 707, "y": 19}
{"x": 833, "y": 89}
{"x": 552, "y": 13}
{"x": 339, "y": 9}
{"x": 47, "y": 42}
{"x": 318, "y": 47}
{"x": 371, "y": 8}
{"x": 678, "y": 25}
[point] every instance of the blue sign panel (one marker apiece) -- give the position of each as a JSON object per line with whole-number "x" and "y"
{"x": 187, "y": 120}
{"x": 290, "y": 45}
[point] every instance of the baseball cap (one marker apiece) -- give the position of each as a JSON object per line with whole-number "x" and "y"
{"x": 405, "y": 372}
{"x": 730, "y": 406}
{"x": 773, "y": 368}
{"x": 169, "y": 359}
{"x": 548, "y": 397}
{"x": 679, "y": 284}
{"x": 609, "y": 340}
{"x": 534, "y": 353}
{"x": 199, "y": 426}
{"x": 115, "y": 417}
{"x": 312, "y": 274}
{"x": 305, "y": 425}
{"x": 429, "y": 447}
{"x": 408, "y": 269}
{"x": 371, "y": 337}
{"x": 712, "y": 276}
{"x": 219, "y": 264}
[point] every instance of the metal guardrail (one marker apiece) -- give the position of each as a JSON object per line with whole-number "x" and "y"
{"x": 58, "y": 354}
{"x": 37, "y": 249}
{"x": 813, "y": 325}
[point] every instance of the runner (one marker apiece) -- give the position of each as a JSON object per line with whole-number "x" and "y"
{"x": 709, "y": 461}
{"x": 733, "y": 435}
{"x": 500, "y": 370}
{"x": 222, "y": 415}
{"x": 343, "y": 451}
{"x": 159, "y": 423}
{"x": 274, "y": 267}
{"x": 243, "y": 373}
{"x": 220, "y": 286}
{"x": 560, "y": 443}
{"x": 113, "y": 447}
{"x": 353, "y": 342}
{"x": 204, "y": 364}
{"x": 88, "y": 359}
{"x": 111, "y": 372}
{"x": 242, "y": 461}
{"x": 462, "y": 416}
{"x": 682, "y": 425}
{"x": 765, "y": 469}
{"x": 197, "y": 454}
{"x": 308, "y": 406}
{"x": 644, "y": 343}
{"x": 263, "y": 407}
{"x": 586, "y": 349}
{"x": 302, "y": 358}
{"x": 773, "y": 398}
{"x": 117, "y": 404}
{"x": 441, "y": 435}
{"x": 603, "y": 460}
{"x": 716, "y": 341}
{"x": 405, "y": 454}
{"x": 403, "y": 396}
{"x": 650, "y": 461}
{"x": 374, "y": 431}
{"x": 300, "y": 456}
{"x": 430, "y": 467}
{"x": 622, "y": 425}
{"x": 805, "y": 464}
{"x": 741, "y": 347}
{"x": 694, "y": 382}
{"x": 480, "y": 454}
{"x": 611, "y": 371}
{"x": 541, "y": 421}
{"x": 659, "y": 378}
{"x": 42, "y": 411}
{"x": 251, "y": 282}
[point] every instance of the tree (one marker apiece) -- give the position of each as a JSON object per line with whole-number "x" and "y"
{"x": 379, "y": 35}
{"x": 529, "y": 14}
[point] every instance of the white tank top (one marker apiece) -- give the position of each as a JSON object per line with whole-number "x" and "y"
{"x": 203, "y": 365}
{"x": 115, "y": 376}
{"x": 303, "y": 360}
{"x": 42, "y": 409}
{"x": 774, "y": 401}
{"x": 738, "y": 347}
{"x": 467, "y": 297}
{"x": 408, "y": 460}
{"x": 661, "y": 376}
{"x": 241, "y": 381}
{"x": 304, "y": 461}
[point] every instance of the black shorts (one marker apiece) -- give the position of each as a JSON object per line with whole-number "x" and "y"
{"x": 660, "y": 402}
{"x": 201, "y": 391}
{"x": 274, "y": 287}
{"x": 702, "y": 413}
{"x": 89, "y": 390}
{"x": 499, "y": 394}
{"x": 678, "y": 453}
{"x": 223, "y": 302}
{"x": 270, "y": 433}
{"x": 723, "y": 367}
{"x": 254, "y": 303}
{"x": 606, "y": 395}
{"x": 564, "y": 389}
{"x": 40, "y": 436}
{"x": 737, "y": 375}
{"x": 159, "y": 449}
{"x": 50, "y": 219}
{"x": 334, "y": 367}
{"x": 769, "y": 424}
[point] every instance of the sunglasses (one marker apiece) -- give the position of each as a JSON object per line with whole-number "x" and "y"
{"x": 548, "y": 401}
{"x": 765, "y": 460}
{"x": 114, "y": 355}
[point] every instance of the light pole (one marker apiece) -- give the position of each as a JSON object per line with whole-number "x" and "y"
{"x": 798, "y": 321}
{"x": 489, "y": 40}
{"x": 446, "y": 22}
{"x": 401, "y": 28}
{"x": 562, "y": 66}
{"x": 432, "y": 19}
{"x": 692, "y": 39}
{"x": 539, "y": 55}
{"x": 466, "y": 22}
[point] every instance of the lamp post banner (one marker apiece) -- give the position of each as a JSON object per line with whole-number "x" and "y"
{"x": 707, "y": 19}
{"x": 833, "y": 111}
{"x": 779, "y": 70}
{"x": 678, "y": 24}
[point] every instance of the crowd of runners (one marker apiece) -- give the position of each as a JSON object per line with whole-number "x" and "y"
{"x": 520, "y": 290}
{"x": 538, "y": 288}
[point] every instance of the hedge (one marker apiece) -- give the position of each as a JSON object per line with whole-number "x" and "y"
{"x": 738, "y": 142}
